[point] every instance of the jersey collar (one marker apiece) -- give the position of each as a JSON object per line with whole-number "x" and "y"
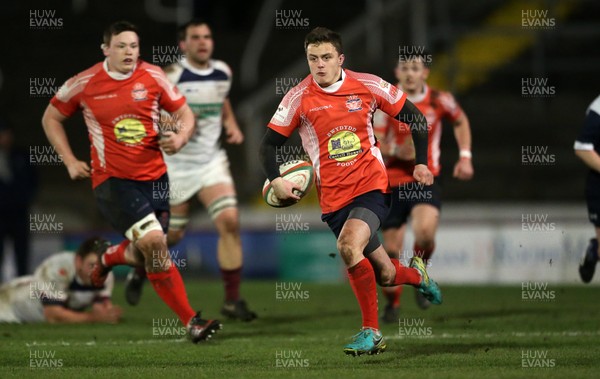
{"x": 117, "y": 75}
{"x": 335, "y": 86}
{"x": 198, "y": 71}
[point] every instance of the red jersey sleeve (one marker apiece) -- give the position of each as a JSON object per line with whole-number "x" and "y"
{"x": 67, "y": 99}
{"x": 171, "y": 99}
{"x": 287, "y": 116}
{"x": 452, "y": 109}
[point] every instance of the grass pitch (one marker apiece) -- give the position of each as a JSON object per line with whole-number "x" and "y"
{"x": 479, "y": 332}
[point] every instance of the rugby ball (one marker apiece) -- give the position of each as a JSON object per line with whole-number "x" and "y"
{"x": 297, "y": 171}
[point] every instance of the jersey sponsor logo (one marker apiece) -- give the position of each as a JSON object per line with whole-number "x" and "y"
{"x": 104, "y": 97}
{"x": 130, "y": 131}
{"x": 354, "y": 103}
{"x": 323, "y": 107}
{"x": 344, "y": 146}
{"x": 281, "y": 114}
{"x": 139, "y": 92}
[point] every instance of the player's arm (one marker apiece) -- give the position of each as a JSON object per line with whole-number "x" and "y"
{"x": 411, "y": 115}
{"x": 173, "y": 141}
{"x": 463, "y": 169}
{"x": 584, "y": 145}
{"x": 268, "y": 159}
{"x": 53, "y": 123}
{"x": 232, "y": 130}
{"x": 59, "y": 314}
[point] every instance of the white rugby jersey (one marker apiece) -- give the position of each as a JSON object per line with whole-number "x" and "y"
{"x": 205, "y": 91}
{"x": 53, "y": 282}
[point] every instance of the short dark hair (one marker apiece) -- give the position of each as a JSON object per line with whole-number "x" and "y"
{"x": 182, "y": 30}
{"x": 321, "y": 35}
{"x": 92, "y": 245}
{"x": 118, "y": 28}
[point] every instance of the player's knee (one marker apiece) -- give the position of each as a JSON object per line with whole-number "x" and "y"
{"x": 227, "y": 223}
{"x": 347, "y": 248}
{"x": 156, "y": 254}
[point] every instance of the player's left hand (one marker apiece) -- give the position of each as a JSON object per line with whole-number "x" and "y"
{"x": 171, "y": 142}
{"x": 423, "y": 175}
{"x": 463, "y": 169}
{"x": 234, "y": 136}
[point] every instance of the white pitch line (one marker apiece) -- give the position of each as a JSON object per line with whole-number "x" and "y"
{"x": 95, "y": 343}
{"x": 565, "y": 333}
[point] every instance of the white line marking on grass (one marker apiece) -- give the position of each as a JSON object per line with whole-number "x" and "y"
{"x": 565, "y": 333}
{"x": 96, "y": 343}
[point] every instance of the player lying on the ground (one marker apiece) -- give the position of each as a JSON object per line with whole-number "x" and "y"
{"x": 60, "y": 290}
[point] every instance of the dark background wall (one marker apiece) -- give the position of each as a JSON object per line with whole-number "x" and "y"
{"x": 502, "y": 120}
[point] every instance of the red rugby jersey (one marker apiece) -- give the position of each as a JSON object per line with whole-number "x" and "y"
{"x": 435, "y": 106}
{"x": 335, "y": 125}
{"x": 121, "y": 114}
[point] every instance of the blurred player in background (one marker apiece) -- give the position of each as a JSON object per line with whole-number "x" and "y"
{"x": 587, "y": 147}
{"x": 121, "y": 99}
{"x": 201, "y": 167}
{"x": 333, "y": 110}
{"x": 410, "y": 199}
{"x": 18, "y": 185}
{"x": 60, "y": 290}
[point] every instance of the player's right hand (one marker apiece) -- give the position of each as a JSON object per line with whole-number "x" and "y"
{"x": 284, "y": 189}
{"x": 78, "y": 170}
